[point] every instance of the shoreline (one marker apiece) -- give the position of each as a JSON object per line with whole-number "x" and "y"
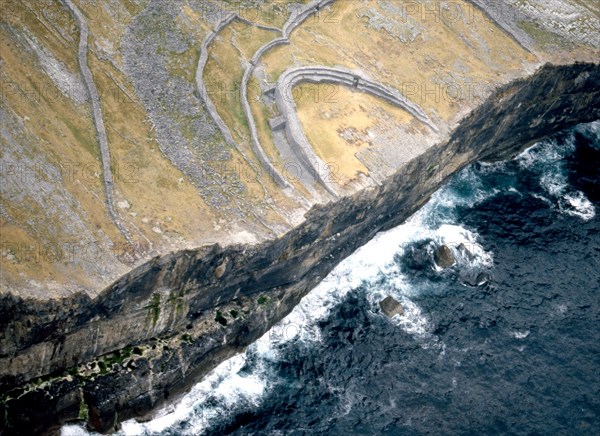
{"x": 169, "y": 307}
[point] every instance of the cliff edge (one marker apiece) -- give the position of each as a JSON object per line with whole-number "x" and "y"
{"x": 176, "y": 176}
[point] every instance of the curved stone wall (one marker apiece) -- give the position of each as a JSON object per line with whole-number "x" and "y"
{"x": 339, "y": 76}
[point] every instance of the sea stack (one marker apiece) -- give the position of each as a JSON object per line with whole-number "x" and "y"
{"x": 443, "y": 257}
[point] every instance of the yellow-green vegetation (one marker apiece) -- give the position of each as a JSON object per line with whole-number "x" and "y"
{"x": 541, "y": 35}
{"x": 220, "y": 318}
{"x": 83, "y": 411}
{"x": 262, "y": 114}
{"x": 41, "y": 21}
{"x": 445, "y": 64}
{"x": 479, "y": 53}
{"x": 60, "y": 136}
{"x": 337, "y": 122}
{"x": 224, "y": 70}
{"x": 557, "y": 38}
{"x": 270, "y": 13}
{"x": 154, "y": 198}
{"x": 157, "y": 192}
{"x": 228, "y": 55}
{"x": 154, "y": 308}
{"x": 184, "y": 65}
{"x": 193, "y": 22}
{"x": 107, "y": 25}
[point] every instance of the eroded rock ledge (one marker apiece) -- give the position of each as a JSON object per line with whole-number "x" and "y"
{"x": 157, "y": 330}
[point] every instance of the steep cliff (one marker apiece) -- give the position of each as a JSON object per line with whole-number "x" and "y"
{"x": 155, "y": 331}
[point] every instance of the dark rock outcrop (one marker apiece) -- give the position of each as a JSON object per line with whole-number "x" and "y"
{"x": 465, "y": 253}
{"x": 152, "y": 334}
{"x": 391, "y": 307}
{"x": 475, "y": 278}
{"x": 443, "y": 257}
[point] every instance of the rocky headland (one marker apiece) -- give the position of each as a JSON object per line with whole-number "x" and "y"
{"x": 151, "y": 226}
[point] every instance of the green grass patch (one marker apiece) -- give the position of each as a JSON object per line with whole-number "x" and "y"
{"x": 84, "y": 411}
{"x": 154, "y": 308}
{"x": 84, "y": 139}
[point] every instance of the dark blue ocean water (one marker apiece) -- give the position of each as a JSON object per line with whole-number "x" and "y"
{"x": 505, "y": 341}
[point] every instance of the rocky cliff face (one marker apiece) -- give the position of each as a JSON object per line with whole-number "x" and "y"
{"x": 157, "y": 330}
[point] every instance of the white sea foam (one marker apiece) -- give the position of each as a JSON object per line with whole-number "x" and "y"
{"x": 367, "y": 264}
{"x": 578, "y": 205}
{"x": 223, "y": 386}
{"x": 521, "y": 335}
{"x": 544, "y": 199}
{"x": 547, "y": 152}
{"x": 226, "y": 387}
{"x": 413, "y": 321}
{"x": 455, "y": 237}
{"x": 527, "y": 158}
{"x": 591, "y": 129}
{"x": 548, "y": 156}
{"x": 568, "y": 200}
{"x": 376, "y": 260}
{"x": 74, "y": 430}
{"x": 554, "y": 183}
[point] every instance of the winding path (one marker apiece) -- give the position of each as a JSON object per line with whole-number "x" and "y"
{"x": 201, "y": 86}
{"x": 97, "y": 116}
{"x": 212, "y": 110}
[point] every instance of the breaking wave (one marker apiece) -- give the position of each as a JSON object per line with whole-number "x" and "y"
{"x": 320, "y": 369}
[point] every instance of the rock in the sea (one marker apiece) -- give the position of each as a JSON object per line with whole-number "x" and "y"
{"x": 475, "y": 278}
{"x": 391, "y": 307}
{"x": 443, "y": 257}
{"x": 465, "y": 252}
